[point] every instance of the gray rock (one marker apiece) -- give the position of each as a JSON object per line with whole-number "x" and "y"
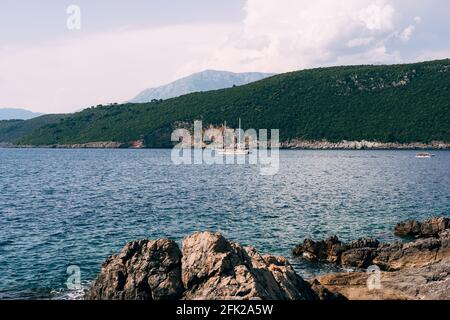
{"x": 431, "y": 282}
{"x": 329, "y": 250}
{"x": 209, "y": 267}
{"x": 143, "y": 270}
{"x": 426, "y": 229}
{"x": 325, "y": 294}
{"x": 359, "y": 257}
{"x": 334, "y": 251}
{"x": 433, "y": 246}
{"x": 415, "y": 254}
{"x": 214, "y": 268}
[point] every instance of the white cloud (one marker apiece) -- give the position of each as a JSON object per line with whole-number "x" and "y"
{"x": 288, "y": 35}
{"x": 275, "y": 36}
{"x": 378, "y": 16}
{"x": 358, "y": 42}
{"x": 73, "y": 73}
{"x": 406, "y": 34}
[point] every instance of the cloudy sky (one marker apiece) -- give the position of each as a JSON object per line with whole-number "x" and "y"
{"x": 123, "y": 47}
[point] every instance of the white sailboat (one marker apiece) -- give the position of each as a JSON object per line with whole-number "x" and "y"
{"x": 238, "y": 149}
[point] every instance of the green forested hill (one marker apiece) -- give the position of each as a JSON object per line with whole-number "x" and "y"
{"x": 12, "y": 130}
{"x": 399, "y": 103}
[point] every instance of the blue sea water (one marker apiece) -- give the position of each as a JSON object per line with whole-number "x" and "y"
{"x": 75, "y": 207}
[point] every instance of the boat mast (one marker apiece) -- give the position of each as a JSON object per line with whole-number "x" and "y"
{"x": 224, "y": 139}
{"x": 239, "y": 138}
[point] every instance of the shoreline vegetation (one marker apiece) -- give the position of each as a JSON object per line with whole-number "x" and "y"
{"x": 210, "y": 267}
{"x": 295, "y": 144}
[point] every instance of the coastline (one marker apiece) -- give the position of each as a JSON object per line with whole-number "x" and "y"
{"x": 208, "y": 266}
{"x": 296, "y": 144}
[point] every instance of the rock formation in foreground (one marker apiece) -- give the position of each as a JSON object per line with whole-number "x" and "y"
{"x": 431, "y": 282}
{"x": 418, "y": 270}
{"x": 432, "y": 246}
{"x": 208, "y": 267}
{"x": 426, "y": 229}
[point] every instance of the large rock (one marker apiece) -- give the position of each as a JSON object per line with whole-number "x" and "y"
{"x": 357, "y": 253}
{"x": 325, "y": 250}
{"x": 426, "y": 229}
{"x": 415, "y": 254}
{"x": 430, "y": 282}
{"x": 365, "y": 252}
{"x": 209, "y": 267}
{"x": 432, "y": 246}
{"x": 359, "y": 258}
{"x": 143, "y": 270}
{"x": 418, "y": 270}
{"x": 214, "y": 268}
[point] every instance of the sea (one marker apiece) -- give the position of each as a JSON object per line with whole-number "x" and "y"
{"x": 69, "y": 209}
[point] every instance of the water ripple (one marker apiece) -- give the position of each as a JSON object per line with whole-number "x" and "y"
{"x": 75, "y": 207}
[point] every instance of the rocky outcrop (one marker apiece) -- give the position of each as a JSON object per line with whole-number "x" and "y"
{"x": 94, "y": 145}
{"x": 214, "y": 268}
{"x": 426, "y": 229}
{"x": 366, "y": 252}
{"x": 143, "y": 270}
{"x": 418, "y": 270}
{"x": 430, "y": 282}
{"x": 415, "y": 254}
{"x": 209, "y": 267}
{"x": 6, "y": 145}
{"x": 361, "y": 145}
{"x": 356, "y": 253}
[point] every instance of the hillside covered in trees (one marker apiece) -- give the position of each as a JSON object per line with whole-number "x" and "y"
{"x": 13, "y": 130}
{"x": 397, "y": 103}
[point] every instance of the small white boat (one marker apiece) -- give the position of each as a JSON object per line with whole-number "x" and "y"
{"x": 424, "y": 155}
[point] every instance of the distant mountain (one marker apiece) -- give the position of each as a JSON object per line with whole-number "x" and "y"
{"x": 198, "y": 82}
{"x": 17, "y": 114}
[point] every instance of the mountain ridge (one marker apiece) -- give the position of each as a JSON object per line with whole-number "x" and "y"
{"x": 17, "y": 114}
{"x": 206, "y": 80}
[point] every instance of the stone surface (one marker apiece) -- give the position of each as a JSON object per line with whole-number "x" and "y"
{"x": 209, "y": 267}
{"x": 415, "y": 254}
{"x": 359, "y": 258}
{"x": 360, "y": 145}
{"x": 214, "y": 268}
{"x": 388, "y": 257}
{"x": 325, "y": 250}
{"x": 143, "y": 270}
{"x": 357, "y": 253}
{"x": 431, "y": 248}
{"x": 430, "y": 282}
{"x": 426, "y": 229}
{"x": 418, "y": 270}
{"x": 324, "y": 293}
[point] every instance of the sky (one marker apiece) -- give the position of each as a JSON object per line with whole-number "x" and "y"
{"x": 60, "y": 56}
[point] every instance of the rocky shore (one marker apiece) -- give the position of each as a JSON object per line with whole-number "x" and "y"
{"x": 208, "y": 266}
{"x": 295, "y": 144}
{"x": 415, "y": 270}
{"x": 89, "y": 145}
{"x": 362, "y": 145}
